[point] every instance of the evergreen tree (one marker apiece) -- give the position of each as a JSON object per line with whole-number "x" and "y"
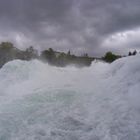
{"x": 69, "y": 53}
{"x": 135, "y": 52}
{"x": 129, "y": 54}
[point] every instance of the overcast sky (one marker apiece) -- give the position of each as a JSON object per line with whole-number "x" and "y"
{"x": 92, "y": 26}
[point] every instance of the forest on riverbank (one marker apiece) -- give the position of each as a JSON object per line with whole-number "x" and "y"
{"x": 9, "y": 52}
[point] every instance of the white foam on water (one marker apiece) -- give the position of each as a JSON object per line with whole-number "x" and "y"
{"x": 41, "y": 102}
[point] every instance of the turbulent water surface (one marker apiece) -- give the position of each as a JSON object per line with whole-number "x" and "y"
{"x": 40, "y": 102}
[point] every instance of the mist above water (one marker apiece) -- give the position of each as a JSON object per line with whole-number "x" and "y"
{"x": 41, "y": 102}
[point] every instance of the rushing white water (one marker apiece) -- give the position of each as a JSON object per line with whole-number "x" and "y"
{"x": 40, "y": 102}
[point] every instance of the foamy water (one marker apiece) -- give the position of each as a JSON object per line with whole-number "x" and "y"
{"x": 40, "y": 102}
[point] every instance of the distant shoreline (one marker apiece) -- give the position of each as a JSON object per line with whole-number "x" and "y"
{"x": 9, "y": 52}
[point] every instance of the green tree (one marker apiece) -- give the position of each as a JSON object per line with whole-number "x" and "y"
{"x": 110, "y": 57}
{"x": 6, "y": 46}
{"x": 49, "y": 55}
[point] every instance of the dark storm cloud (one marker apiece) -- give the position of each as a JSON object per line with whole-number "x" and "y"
{"x": 78, "y": 25}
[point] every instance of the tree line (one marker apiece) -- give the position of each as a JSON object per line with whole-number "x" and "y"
{"x": 9, "y": 52}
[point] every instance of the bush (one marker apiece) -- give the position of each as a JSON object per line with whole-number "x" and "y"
{"x": 110, "y": 57}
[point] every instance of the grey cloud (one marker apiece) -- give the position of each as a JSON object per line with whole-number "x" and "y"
{"x": 78, "y": 25}
{"x": 112, "y": 16}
